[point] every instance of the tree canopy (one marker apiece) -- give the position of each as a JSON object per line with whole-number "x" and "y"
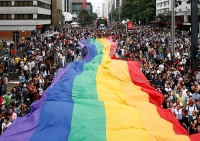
{"x": 114, "y": 14}
{"x": 141, "y": 10}
{"x": 85, "y": 18}
{"x": 138, "y": 10}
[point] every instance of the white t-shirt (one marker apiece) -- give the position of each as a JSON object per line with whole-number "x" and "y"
{"x": 29, "y": 65}
{"x": 32, "y": 64}
{"x": 25, "y": 67}
{"x": 191, "y": 109}
{"x": 184, "y": 92}
{"x": 63, "y": 58}
{"x": 178, "y": 114}
{"x": 168, "y": 89}
{"x": 5, "y": 125}
{"x": 122, "y": 52}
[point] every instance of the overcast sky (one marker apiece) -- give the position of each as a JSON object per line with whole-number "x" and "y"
{"x": 96, "y": 3}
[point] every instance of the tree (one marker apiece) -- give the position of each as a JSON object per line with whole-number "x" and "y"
{"x": 85, "y": 18}
{"x": 140, "y": 10}
{"x": 127, "y": 9}
{"x": 177, "y": 3}
{"x": 115, "y": 14}
{"x": 164, "y": 17}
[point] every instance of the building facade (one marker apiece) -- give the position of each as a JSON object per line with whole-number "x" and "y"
{"x": 77, "y": 7}
{"x": 109, "y": 5}
{"x": 22, "y": 18}
{"x": 182, "y": 12}
{"x": 57, "y": 16}
{"x": 67, "y": 6}
{"x": 103, "y": 10}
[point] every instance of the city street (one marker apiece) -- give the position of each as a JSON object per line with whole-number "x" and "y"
{"x": 116, "y": 70}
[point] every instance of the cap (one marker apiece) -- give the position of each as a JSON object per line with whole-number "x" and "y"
{"x": 191, "y": 102}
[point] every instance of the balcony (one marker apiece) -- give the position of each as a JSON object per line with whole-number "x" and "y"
{"x": 24, "y": 22}
{"x": 161, "y": 1}
{"x": 24, "y": 10}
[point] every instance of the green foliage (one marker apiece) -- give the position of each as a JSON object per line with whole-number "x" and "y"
{"x": 142, "y": 10}
{"x": 139, "y": 10}
{"x": 164, "y": 17}
{"x": 177, "y": 3}
{"x": 85, "y": 18}
{"x": 121, "y": 26}
{"x": 115, "y": 15}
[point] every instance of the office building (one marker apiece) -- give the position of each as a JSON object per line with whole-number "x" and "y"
{"x": 67, "y": 6}
{"x": 182, "y": 12}
{"x": 103, "y": 9}
{"x": 22, "y": 18}
{"x": 26, "y": 18}
{"x": 78, "y": 6}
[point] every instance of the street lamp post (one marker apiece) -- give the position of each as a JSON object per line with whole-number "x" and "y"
{"x": 111, "y": 12}
{"x": 173, "y": 30}
{"x": 194, "y": 36}
{"x": 119, "y": 14}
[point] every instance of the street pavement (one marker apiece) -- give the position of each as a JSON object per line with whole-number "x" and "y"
{"x": 12, "y": 77}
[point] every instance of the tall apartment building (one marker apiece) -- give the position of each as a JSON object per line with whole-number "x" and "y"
{"x": 103, "y": 10}
{"x": 106, "y": 8}
{"x": 67, "y": 6}
{"x": 21, "y": 18}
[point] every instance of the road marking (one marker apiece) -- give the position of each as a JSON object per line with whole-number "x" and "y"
{"x": 3, "y": 56}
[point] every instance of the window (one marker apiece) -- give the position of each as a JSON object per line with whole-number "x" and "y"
{"x": 26, "y": 3}
{"x": 30, "y": 3}
{"x": 5, "y": 3}
{"x": 16, "y": 3}
{"x": 23, "y": 16}
{"x": 43, "y": 17}
{"x": 44, "y": 5}
{"x": 26, "y": 16}
{"x": 23, "y": 3}
{"x": 5, "y": 16}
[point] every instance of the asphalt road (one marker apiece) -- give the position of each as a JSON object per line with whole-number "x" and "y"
{"x": 11, "y": 76}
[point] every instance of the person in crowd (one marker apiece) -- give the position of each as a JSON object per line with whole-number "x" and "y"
{"x": 149, "y": 45}
{"x": 5, "y": 124}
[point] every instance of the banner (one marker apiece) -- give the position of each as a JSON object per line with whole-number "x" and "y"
{"x": 129, "y": 26}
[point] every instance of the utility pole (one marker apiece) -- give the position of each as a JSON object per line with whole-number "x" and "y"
{"x": 119, "y": 14}
{"x": 173, "y": 29}
{"x": 111, "y": 12}
{"x": 194, "y": 36}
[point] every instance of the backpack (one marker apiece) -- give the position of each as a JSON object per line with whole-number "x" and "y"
{"x": 119, "y": 51}
{"x": 194, "y": 108}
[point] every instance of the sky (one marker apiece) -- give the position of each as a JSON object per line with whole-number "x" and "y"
{"x": 96, "y": 3}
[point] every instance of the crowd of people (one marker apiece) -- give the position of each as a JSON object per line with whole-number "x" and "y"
{"x": 39, "y": 61}
{"x": 150, "y": 45}
{"x": 173, "y": 78}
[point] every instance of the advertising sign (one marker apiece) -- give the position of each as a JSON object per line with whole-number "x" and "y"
{"x": 129, "y": 26}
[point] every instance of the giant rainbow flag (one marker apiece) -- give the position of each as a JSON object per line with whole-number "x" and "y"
{"x": 99, "y": 99}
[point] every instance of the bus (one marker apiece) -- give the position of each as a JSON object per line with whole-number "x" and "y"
{"x": 102, "y": 21}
